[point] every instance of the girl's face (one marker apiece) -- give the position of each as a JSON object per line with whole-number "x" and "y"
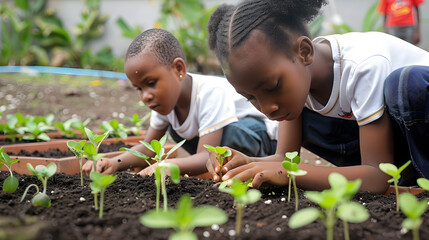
{"x": 159, "y": 85}
{"x": 275, "y": 84}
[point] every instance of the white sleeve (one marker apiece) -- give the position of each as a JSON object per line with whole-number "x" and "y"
{"x": 216, "y": 109}
{"x": 158, "y": 121}
{"x": 366, "y": 87}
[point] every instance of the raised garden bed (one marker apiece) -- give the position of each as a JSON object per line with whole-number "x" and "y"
{"x": 72, "y": 215}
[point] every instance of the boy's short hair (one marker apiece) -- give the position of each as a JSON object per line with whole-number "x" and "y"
{"x": 159, "y": 42}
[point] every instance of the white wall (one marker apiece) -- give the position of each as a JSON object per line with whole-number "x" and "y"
{"x": 144, "y": 13}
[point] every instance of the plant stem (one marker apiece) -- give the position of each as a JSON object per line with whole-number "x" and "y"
{"x": 164, "y": 191}
{"x": 100, "y": 215}
{"x": 296, "y": 193}
{"x": 397, "y": 194}
{"x": 157, "y": 194}
{"x": 44, "y": 183}
{"x": 95, "y": 201}
{"x": 238, "y": 218}
{"x": 330, "y": 221}
{"x": 416, "y": 233}
{"x": 81, "y": 175}
{"x": 346, "y": 230}
{"x": 289, "y": 188}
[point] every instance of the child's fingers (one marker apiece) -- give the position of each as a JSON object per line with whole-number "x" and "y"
{"x": 212, "y": 171}
{"x": 278, "y": 178}
{"x": 87, "y": 168}
{"x": 242, "y": 172}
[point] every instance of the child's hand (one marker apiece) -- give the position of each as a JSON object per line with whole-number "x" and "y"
{"x": 235, "y": 160}
{"x": 148, "y": 171}
{"x": 269, "y": 172}
{"x": 87, "y": 168}
{"x": 107, "y": 165}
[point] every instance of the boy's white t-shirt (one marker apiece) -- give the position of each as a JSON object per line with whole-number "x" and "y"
{"x": 362, "y": 61}
{"x": 214, "y": 104}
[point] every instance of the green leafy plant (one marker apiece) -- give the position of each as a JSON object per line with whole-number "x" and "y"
{"x": 77, "y": 149}
{"x": 423, "y": 183}
{"x": 242, "y": 197}
{"x": 11, "y": 183}
{"x": 36, "y": 127}
{"x": 161, "y": 170}
{"x": 98, "y": 185}
{"x": 67, "y": 128}
{"x": 290, "y": 163}
{"x": 393, "y": 171}
{"x": 413, "y": 209}
{"x": 80, "y": 126}
{"x": 137, "y": 122}
{"x": 184, "y": 219}
{"x": 335, "y": 203}
{"x": 116, "y": 129}
{"x": 220, "y": 153}
{"x": 90, "y": 149}
{"x": 43, "y": 173}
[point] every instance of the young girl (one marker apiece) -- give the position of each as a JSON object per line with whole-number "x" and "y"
{"x": 355, "y": 97}
{"x": 201, "y": 109}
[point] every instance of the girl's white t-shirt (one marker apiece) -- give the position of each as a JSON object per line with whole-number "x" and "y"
{"x": 214, "y": 104}
{"x": 362, "y": 61}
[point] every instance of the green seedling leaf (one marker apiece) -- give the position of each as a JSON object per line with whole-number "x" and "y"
{"x": 423, "y": 183}
{"x": 10, "y": 184}
{"x": 352, "y": 212}
{"x": 41, "y": 199}
{"x": 98, "y": 185}
{"x": 393, "y": 171}
{"x": 411, "y": 207}
{"x": 177, "y": 146}
{"x": 185, "y": 218}
{"x": 290, "y": 163}
{"x": 304, "y": 217}
{"x": 137, "y": 154}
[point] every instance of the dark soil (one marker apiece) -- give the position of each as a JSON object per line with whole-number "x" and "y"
{"x": 72, "y": 215}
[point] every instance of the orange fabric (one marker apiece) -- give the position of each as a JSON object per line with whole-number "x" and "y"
{"x": 398, "y": 12}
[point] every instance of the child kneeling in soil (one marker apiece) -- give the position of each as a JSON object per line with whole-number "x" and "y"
{"x": 200, "y": 109}
{"x": 357, "y": 99}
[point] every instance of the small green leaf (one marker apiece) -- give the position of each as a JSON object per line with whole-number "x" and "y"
{"x": 352, "y": 212}
{"x": 156, "y": 146}
{"x": 303, "y": 217}
{"x": 411, "y": 223}
{"x": 423, "y": 183}
{"x": 176, "y": 147}
{"x": 160, "y": 219}
{"x": 389, "y": 168}
{"x": 51, "y": 169}
{"x": 404, "y": 166}
{"x": 31, "y": 169}
{"x": 291, "y": 155}
{"x": 210, "y": 148}
{"x": 135, "y": 153}
{"x": 208, "y": 215}
{"x": 183, "y": 236}
{"x": 10, "y": 184}
{"x": 41, "y": 199}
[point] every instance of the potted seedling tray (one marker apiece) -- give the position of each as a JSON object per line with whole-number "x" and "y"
{"x": 68, "y": 165}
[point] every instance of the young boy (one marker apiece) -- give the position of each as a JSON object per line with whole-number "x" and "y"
{"x": 200, "y": 109}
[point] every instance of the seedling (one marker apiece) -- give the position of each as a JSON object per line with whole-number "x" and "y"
{"x": 116, "y": 129}
{"x": 393, "y": 171}
{"x": 77, "y": 149}
{"x": 98, "y": 185}
{"x": 91, "y": 149}
{"x": 80, "y": 126}
{"x": 11, "y": 183}
{"x": 220, "y": 153}
{"x": 161, "y": 170}
{"x": 413, "y": 209}
{"x": 423, "y": 183}
{"x": 290, "y": 163}
{"x": 37, "y": 131}
{"x": 184, "y": 219}
{"x": 137, "y": 122}
{"x": 335, "y": 203}
{"x": 42, "y": 172}
{"x": 242, "y": 197}
{"x": 68, "y": 127}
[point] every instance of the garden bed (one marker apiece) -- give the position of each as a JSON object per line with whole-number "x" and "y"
{"x": 72, "y": 215}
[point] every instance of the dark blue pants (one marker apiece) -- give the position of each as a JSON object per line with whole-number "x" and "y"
{"x": 248, "y": 135}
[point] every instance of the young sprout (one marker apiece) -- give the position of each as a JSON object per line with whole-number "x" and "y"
{"x": 161, "y": 170}
{"x": 80, "y": 126}
{"x": 137, "y": 122}
{"x": 423, "y": 183}
{"x": 242, "y": 197}
{"x": 37, "y": 130}
{"x": 335, "y": 204}
{"x": 11, "y": 183}
{"x": 98, "y": 185}
{"x": 42, "y": 172}
{"x": 413, "y": 209}
{"x": 184, "y": 219}
{"x": 66, "y": 128}
{"x": 290, "y": 163}
{"x": 77, "y": 149}
{"x": 91, "y": 149}
{"x": 220, "y": 153}
{"x": 115, "y": 129}
{"x": 393, "y": 171}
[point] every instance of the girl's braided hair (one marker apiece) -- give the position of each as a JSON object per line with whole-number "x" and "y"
{"x": 230, "y": 25}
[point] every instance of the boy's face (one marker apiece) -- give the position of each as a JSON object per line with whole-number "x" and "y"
{"x": 159, "y": 85}
{"x": 275, "y": 84}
